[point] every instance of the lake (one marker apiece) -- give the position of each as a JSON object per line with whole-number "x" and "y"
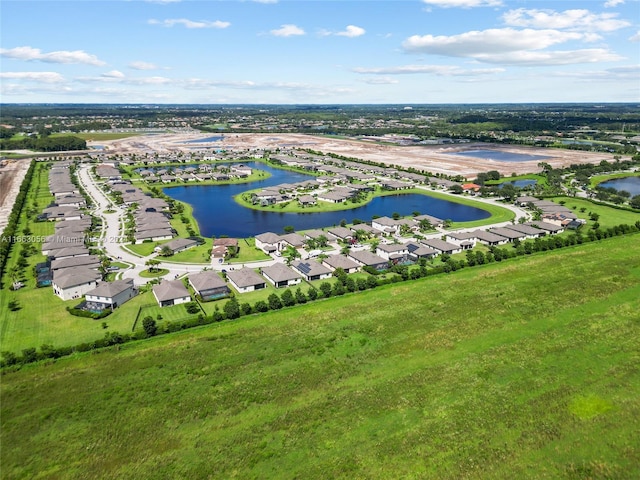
{"x": 628, "y": 184}
{"x": 216, "y": 138}
{"x": 519, "y": 183}
{"x": 218, "y": 214}
{"x": 501, "y": 156}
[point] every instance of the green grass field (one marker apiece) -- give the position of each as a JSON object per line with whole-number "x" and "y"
{"x": 525, "y": 369}
{"x": 608, "y": 216}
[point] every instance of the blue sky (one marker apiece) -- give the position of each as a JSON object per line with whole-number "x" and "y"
{"x": 292, "y": 51}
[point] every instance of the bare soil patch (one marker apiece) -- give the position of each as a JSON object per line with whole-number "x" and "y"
{"x": 432, "y": 158}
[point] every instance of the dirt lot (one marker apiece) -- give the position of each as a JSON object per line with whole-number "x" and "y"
{"x": 432, "y": 158}
{"x": 12, "y": 173}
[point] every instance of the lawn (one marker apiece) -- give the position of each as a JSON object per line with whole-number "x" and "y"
{"x": 608, "y": 216}
{"x": 43, "y": 319}
{"x": 526, "y": 369}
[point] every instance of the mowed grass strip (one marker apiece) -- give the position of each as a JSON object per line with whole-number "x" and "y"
{"x": 527, "y": 369}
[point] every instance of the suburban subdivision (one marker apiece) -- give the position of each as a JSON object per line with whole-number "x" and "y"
{"x": 284, "y": 285}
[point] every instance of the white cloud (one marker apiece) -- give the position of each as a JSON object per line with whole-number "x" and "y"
{"x": 381, "y": 81}
{"x": 568, "y": 57}
{"x": 441, "y": 70}
{"x": 61, "y": 56}
{"x": 113, "y": 74}
{"x": 170, "y": 22}
{"x": 510, "y": 46}
{"x": 635, "y": 37}
{"x": 287, "y": 30}
{"x": 578, "y": 19}
{"x": 44, "y": 77}
{"x": 265, "y": 1}
{"x": 352, "y": 31}
{"x": 142, "y": 66}
{"x": 463, "y": 3}
{"x": 490, "y": 41}
{"x": 163, "y": 2}
{"x": 613, "y": 3}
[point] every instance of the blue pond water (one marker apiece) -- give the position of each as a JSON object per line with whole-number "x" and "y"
{"x": 519, "y": 183}
{"x": 218, "y": 214}
{"x": 501, "y": 156}
{"x": 216, "y": 138}
{"x": 628, "y": 184}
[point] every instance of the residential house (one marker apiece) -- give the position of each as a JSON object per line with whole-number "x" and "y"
{"x": 268, "y": 242}
{"x": 465, "y": 240}
{"x": 341, "y": 233}
{"x": 180, "y": 244}
{"x": 510, "y": 235}
{"x": 368, "y": 259}
{"x": 209, "y": 285}
{"x": 311, "y": 270}
{"x": 280, "y": 275}
{"x": 489, "y": 238}
{"x": 396, "y": 252}
{"x": 442, "y": 246}
{"x": 528, "y": 230}
{"x": 74, "y": 282}
{"x": 245, "y": 280}
{"x": 171, "y": 292}
{"x": 341, "y": 261}
{"x": 109, "y": 295}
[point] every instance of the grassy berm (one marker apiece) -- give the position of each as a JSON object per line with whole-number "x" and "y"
{"x": 525, "y": 369}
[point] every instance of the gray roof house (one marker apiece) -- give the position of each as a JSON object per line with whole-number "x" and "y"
{"x": 246, "y": 280}
{"x": 311, "y": 270}
{"x": 171, "y": 292}
{"x": 109, "y": 295}
{"x": 280, "y": 275}
{"x": 341, "y": 261}
{"x": 209, "y": 285}
{"x": 368, "y": 259}
{"x": 444, "y": 247}
{"x": 268, "y": 242}
{"x": 74, "y": 282}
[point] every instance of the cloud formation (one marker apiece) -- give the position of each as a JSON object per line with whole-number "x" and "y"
{"x": 62, "y": 56}
{"x": 352, "y": 31}
{"x": 577, "y": 20}
{"x": 510, "y": 46}
{"x": 441, "y": 70}
{"x": 171, "y": 22}
{"x": 44, "y": 77}
{"x": 287, "y": 30}
{"x": 138, "y": 65}
{"x": 463, "y": 3}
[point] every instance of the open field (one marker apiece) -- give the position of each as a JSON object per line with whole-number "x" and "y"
{"x": 432, "y": 158}
{"x": 526, "y": 369}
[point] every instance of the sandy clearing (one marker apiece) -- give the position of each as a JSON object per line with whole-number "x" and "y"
{"x": 432, "y": 158}
{"x": 12, "y": 174}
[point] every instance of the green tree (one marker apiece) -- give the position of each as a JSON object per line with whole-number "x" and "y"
{"x": 149, "y": 326}
{"x": 325, "y": 288}
{"x": 232, "y": 308}
{"x": 274, "y": 302}
{"x": 287, "y": 298}
{"x": 300, "y": 297}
